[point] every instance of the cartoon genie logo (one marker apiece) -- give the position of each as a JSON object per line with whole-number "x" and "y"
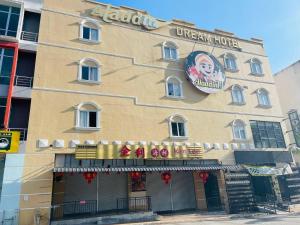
{"x": 205, "y": 72}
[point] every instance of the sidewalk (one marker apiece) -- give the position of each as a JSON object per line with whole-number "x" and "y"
{"x": 190, "y": 217}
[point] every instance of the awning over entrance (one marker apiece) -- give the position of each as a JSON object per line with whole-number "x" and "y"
{"x": 146, "y": 169}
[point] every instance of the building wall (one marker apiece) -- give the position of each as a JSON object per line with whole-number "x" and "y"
{"x": 132, "y": 94}
{"x": 287, "y": 83}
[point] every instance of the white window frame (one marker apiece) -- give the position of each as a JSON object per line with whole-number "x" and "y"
{"x": 242, "y": 93}
{"x": 259, "y": 92}
{"x": 85, "y": 23}
{"x": 238, "y": 123}
{"x": 21, "y": 18}
{"x": 255, "y": 61}
{"x": 79, "y": 109}
{"x": 178, "y": 119}
{"x": 83, "y": 62}
{"x": 170, "y": 44}
{"x": 232, "y": 57}
{"x": 176, "y": 79}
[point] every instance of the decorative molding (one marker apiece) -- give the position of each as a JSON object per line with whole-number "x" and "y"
{"x": 136, "y": 102}
{"x": 134, "y": 61}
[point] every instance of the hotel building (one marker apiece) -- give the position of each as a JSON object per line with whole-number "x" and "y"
{"x": 120, "y": 111}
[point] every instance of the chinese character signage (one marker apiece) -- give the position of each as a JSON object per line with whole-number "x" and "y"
{"x": 295, "y": 123}
{"x": 205, "y": 72}
{"x": 158, "y": 152}
{"x": 9, "y": 141}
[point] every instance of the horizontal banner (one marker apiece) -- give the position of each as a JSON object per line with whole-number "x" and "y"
{"x": 268, "y": 170}
{"x": 9, "y": 141}
{"x": 138, "y": 152}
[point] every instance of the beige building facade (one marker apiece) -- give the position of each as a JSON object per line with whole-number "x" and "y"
{"x": 115, "y": 79}
{"x": 287, "y": 82}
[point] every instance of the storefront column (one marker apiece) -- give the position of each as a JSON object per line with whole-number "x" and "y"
{"x": 276, "y": 188}
{"x": 58, "y": 192}
{"x": 199, "y": 192}
{"x": 222, "y": 190}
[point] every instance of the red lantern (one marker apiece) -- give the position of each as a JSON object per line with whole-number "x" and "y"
{"x": 204, "y": 176}
{"x": 135, "y": 175}
{"x": 89, "y": 176}
{"x": 166, "y": 177}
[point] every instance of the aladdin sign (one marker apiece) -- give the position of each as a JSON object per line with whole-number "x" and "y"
{"x": 205, "y": 72}
{"x": 207, "y": 38}
{"x": 109, "y": 14}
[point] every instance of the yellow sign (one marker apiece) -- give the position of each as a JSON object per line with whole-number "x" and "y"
{"x": 158, "y": 152}
{"x": 9, "y": 141}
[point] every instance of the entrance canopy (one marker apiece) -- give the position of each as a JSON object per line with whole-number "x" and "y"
{"x": 146, "y": 169}
{"x": 269, "y": 170}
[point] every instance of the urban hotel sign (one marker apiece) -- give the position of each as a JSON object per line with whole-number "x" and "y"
{"x": 110, "y": 14}
{"x": 208, "y": 38}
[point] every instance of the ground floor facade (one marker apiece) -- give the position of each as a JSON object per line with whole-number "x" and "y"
{"x": 77, "y": 188}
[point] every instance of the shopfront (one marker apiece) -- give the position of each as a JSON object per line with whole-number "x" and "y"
{"x": 267, "y": 170}
{"x": 104, "y": 186}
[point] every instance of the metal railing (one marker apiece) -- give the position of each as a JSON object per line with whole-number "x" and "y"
{"x": 23, "y": 131}
{"x": 69, "y": 209}
{"x": 23, "y": 81}
{"x": 29, "y": 36}
{"x": 88, "y": 208}
{"x": 134, "y": 204}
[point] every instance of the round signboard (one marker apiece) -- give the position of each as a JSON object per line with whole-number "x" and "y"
{"x": 205, "y": 72}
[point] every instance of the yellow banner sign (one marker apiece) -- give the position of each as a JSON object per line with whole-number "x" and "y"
{"x": 158, "y": 152}
{"x": 9, "y": 141}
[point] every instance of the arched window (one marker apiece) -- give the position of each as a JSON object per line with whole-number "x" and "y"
{"x": 237, "y": 95}
{"x": 89, "y": 70}
{"x": 263, "y": 98}
{"x": 90, "y": 31}
{"x": 177, "y": 125}
{"x": 174, "y": 87}
{"x": 87, "y": 116}
{"x": 230, "y": 62}
{"x": 238, "y": 130}
{"x": 170, "y": 50}
{"x": 256, "y": 67}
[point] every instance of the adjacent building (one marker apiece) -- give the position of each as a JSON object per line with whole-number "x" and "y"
{"x": 119, "y": 111}
{"x": 287, "y": 82}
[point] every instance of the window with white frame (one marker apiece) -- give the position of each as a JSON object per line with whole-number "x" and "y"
{"x": 9, "y": 20}
{"x": 230, "y": 62}
{"x": 174, "y": 87}
{"x": 238, "y": 129}
{"x": 263, "y": 98}
{"x": 237, "y": 95}
{"x": 177, "y": 125}
{"x": 256, "y": 67}
{"x": 170, "y": 51}
{"x": 89, "y": 70}
{"x": 87, "y": 116}
{"x": 89, "y": 31}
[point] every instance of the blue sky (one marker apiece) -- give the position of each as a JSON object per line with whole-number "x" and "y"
{"x": 277, "y": 22}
